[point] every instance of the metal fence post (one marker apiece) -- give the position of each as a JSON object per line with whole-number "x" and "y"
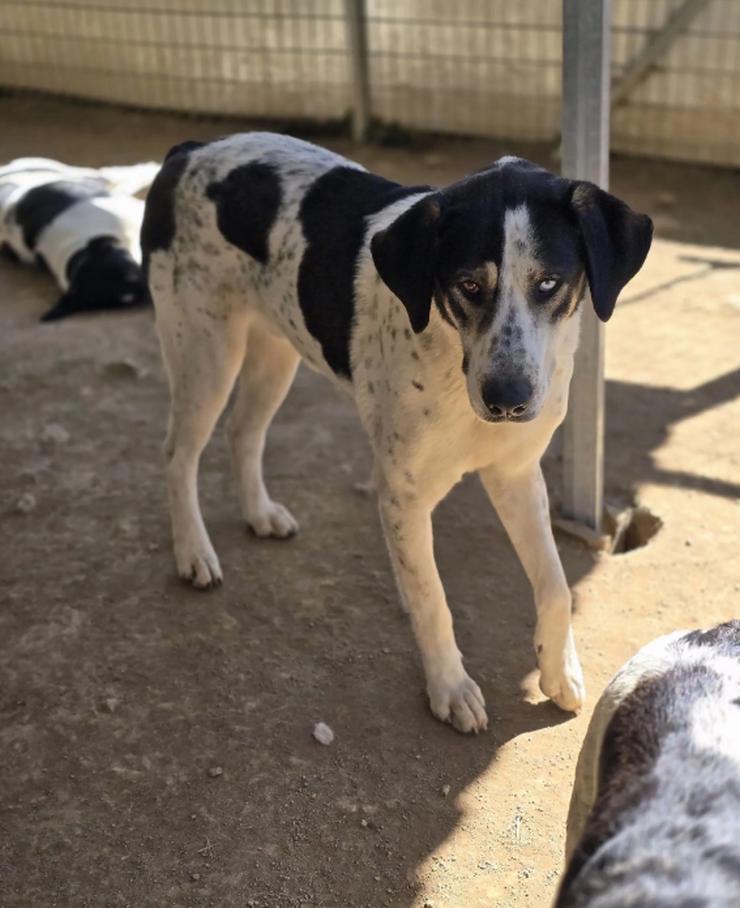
{"x": 357, "y": 43}
{"x": 586, "y": 68}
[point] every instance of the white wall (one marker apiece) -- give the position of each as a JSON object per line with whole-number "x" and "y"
{"x": 480, "y": 67}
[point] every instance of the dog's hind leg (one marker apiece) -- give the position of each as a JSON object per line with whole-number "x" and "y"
{"x": 202, "y": 356}
{"x": 266, "y": 376}
{"x": 521, "y": 503}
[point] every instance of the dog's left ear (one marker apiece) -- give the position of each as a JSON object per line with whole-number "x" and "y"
{"x": 403, "y": 254}
{"x": 616, "y": 241}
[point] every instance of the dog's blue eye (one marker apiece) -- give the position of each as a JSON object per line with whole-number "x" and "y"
{"x": 548, "y": 286}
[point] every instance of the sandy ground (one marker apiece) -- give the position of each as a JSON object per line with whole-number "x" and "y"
{"x": 124, "y": 693}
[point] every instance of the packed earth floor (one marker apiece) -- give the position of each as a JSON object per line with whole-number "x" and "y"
{"x": 155, "y": 742}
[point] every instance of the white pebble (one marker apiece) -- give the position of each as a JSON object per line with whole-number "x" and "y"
{"x": 26, "y": 503}
{"x": 55, "y": 433}
{"x": 323, "y": 734}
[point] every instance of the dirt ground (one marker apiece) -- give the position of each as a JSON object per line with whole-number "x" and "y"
{"x": 155, "y": 742}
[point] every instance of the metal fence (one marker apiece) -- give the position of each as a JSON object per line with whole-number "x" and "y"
{"x": 472, "y": 67}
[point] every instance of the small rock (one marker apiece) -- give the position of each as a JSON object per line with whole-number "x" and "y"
{"x": 123, "y": 368}
{"x": 26, "y": 503}
{"x": 55, "y": 434}
{"x": 127, "y": 527}
{"x": 445, "y": 790}
{"x": 110, "y": 704}
{"x": 363, "y": 823}
{"x": 215, "y": 771}
{"x": 195, "y": 876}
{"x": 665, "y": 199}
{"x": 323, "y": 734}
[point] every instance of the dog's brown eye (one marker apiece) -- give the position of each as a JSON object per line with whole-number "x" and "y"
{"x": 471, "y": 288}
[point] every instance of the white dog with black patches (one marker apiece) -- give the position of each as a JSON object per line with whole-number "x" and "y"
{"x": 451, "y": 316}
{"x": 81, "y": 223}
{"x": 655, "y": 812}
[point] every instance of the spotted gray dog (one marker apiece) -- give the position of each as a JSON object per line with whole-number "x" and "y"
{"x": 451, "y": 316}
{"x": 655, "y": 814}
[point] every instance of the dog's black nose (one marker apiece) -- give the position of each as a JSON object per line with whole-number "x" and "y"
{"x": 507, "y": 398}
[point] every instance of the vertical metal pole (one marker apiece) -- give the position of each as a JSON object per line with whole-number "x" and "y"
{"x": 586, "y": 69}
{"x": 357, "y": 42}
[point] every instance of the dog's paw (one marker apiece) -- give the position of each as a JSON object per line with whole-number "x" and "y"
{"x": 460, "y": 703}
{"x": 561, "y": 679}
{"x": 198, "y": 564}
{"x": 273, "y": 520}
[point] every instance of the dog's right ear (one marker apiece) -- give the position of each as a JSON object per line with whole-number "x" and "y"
{"x": 403, "y": 256}
{"x": 65, "y": 305}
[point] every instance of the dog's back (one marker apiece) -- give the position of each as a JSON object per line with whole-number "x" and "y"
{"x": 655, "y": 813}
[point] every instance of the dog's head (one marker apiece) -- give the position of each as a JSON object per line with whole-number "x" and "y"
{"x": 101, "y": 276}
{"x": 507, "y": 255}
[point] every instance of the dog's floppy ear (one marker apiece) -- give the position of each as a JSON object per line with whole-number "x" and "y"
{"x": 65, "y": 305}
{"x": 403, "y": 254}
{"x": 616, "y": 241}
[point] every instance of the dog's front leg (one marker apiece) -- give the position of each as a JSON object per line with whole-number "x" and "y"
{"x": 453, "y": 696}
{"x": 521, "y": 502}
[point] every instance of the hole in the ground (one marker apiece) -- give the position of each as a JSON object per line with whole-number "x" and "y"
{"x": 622, "y": 530}
{"x": 631, "y": 529}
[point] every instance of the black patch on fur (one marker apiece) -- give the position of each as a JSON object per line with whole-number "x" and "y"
{"x": 43, "y": 204}
{"x": 724, "y": 637}
{"x": 457, "y": 310}
{"x": 333, "y": 217}
{"x": 247, "y": 202}
{"x": 439, "y": 302}
{"x": 183, "y": 148}
{"x": 158, "y": 227}
{"x": 103, "y": 275}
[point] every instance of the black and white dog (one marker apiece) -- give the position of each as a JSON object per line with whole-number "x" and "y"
{"x": 82, "y": 224}
{"x": 451, "y": 316}
{"x": 655, "y": 813}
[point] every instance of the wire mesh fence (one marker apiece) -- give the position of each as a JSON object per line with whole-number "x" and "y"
{"x": 474, "y": 67}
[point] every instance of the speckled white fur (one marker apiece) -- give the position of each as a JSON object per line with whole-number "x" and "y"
{"x": 713, "y": 726}
{"x": 220, "y": 315}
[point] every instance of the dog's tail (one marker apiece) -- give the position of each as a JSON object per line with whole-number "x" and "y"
{"x": 130, "y": 179}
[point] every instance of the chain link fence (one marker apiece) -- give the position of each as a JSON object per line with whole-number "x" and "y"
{"x": 474, "y": 67}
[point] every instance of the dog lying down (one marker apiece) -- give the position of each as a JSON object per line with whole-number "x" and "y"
{"x": 450, "y": 316}
{"x": 83, "y": 224}
{"x": 655, "y": 813}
